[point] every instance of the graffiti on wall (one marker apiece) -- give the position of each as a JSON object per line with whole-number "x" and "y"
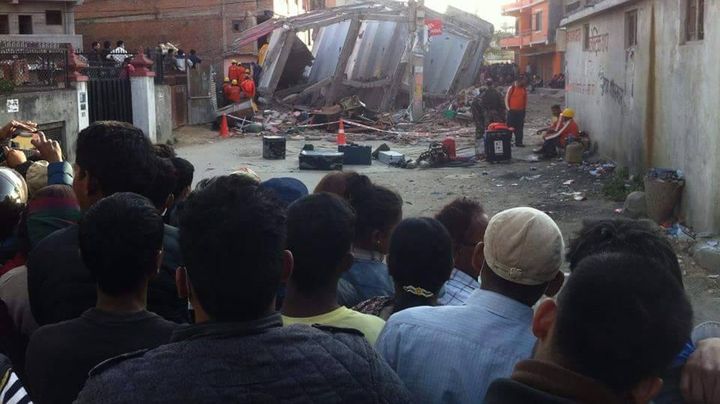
{"x": 598, "y": 43}
{"x": 581, "y": 88}
{"x": 608, "y": 87}
{"x": 574, "y": 35}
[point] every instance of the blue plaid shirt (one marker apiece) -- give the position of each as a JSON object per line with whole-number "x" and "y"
{"x": 458, "y": 288}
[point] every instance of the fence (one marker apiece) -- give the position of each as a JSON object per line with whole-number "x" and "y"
{"x": 104, "y": 65}
{"x": 32, "y": 66}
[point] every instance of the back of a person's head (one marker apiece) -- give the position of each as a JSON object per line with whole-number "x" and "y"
{"x": 51, "y": 208}
{"x": 620, "y": 236}
{"x": 621, "y": 318}
{"x": 163, "y": 184}
{"x": 337, "y": 182}
{"x": 163, "y": 150}
{"x": 376, "y": 207}
{"x": 184, "y": 173}
{"x": 420, "y": 255}
{"x": 321, "y": 228}
{"x": 457, "y": 217}
{"x": 120, "y": 238}
{"x": 232, "y": 238}
{"x": 117, "y": 156}
{"x": 120, "y": 43}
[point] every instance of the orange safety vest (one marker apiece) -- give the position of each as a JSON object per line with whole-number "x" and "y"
{"x": 516, "y": 98}
{"x": 234, "y": 94}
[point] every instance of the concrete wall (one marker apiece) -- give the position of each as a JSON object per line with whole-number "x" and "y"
{"x": 163, "y": 112}
{"x": 47, "y": 107}
{"x": 654, "y": 104}
{"x": 37, "y": 11}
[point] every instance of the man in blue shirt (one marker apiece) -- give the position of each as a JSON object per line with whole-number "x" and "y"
{"x": 466, "y": 221}
{"x": 451, "y": 354}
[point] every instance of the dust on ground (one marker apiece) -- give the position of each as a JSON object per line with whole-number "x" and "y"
{"x": 548, "y": 185}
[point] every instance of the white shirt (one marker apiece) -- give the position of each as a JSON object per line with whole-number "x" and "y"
{"x": 118, "y": 54}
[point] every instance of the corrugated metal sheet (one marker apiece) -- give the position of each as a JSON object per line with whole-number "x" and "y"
{"x": 442, "y": 62}
{"x": 326, "y": 49}
{"x": 377, "y": 51}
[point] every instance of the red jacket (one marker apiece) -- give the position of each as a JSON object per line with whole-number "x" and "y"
{"x": 516, "y": 98}
{"x": 568, "y": 129}
{"x": 233, "y": 94}
{"x": 235, "y": 72}
{"x": 248, "y": 87}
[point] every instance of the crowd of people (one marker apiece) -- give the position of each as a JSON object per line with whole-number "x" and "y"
{"x": 500, "y": 73}
{"x": 121, "y": 283}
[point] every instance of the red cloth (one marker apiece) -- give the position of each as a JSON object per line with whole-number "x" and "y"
{"x": 14, "y": 262}
{"x": 248, "y": 87}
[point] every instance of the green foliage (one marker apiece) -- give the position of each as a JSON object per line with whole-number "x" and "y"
{"x": 621, "y": 184}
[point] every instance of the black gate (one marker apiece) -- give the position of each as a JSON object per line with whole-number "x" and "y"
{"x": 109, "y": 99}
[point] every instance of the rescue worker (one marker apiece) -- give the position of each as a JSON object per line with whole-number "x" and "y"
{"x": 516, "y": 104}
{"x": 487, "y": 107}
{"x": 226, "y": 89}
{"x": 555, "y": 110}
{"x": 568, "y": 131}
{"x": 234, "y": 93}
{"x": 235, "y": 72}
{"x": 247, "y": 85}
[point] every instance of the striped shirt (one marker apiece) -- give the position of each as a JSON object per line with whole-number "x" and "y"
{"x": 12, "y": 391}
{"x": 458, "y": 288}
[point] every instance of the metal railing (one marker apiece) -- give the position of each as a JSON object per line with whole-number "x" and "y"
{"x": 32, "y": 66}
{"x": 104, "y": 65}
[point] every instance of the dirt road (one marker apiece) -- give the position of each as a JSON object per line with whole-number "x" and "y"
{"x": 545, "y": 185}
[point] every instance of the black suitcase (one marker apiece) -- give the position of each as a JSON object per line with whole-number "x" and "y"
{"x": 356, "y": 155}
{"x": 321, "y": 160}
{"x": 498, "y": 145}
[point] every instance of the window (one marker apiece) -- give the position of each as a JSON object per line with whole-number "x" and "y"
{"x": 586, "y": 37}
{"x": 53, "y": 17}
{"x": 4, "y": 24}
{"x": 695, "y": 20}
{"x": 238, "y": 25}
{"x": 25, "y": 24}
{"x": 631, "y": 29}
{"x": 537, "y": 21}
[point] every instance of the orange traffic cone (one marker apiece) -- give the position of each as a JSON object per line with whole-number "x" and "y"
{"x": 341, "y": 133}
{"x": 224, "y": 131}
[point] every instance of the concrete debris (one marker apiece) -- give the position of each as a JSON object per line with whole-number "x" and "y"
{"x": 366, "y": 50}
{"x": 708, "y": 256}
{"x": 635, "y": 206}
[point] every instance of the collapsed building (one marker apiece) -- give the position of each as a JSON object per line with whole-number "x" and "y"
{"x": 366, "y": 50}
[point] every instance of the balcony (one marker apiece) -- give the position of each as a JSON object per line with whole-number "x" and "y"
{"x": 519, "y": 7}
{"x": 524, "y": 39}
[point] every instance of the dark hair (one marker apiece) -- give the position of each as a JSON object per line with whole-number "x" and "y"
{"x": 192, "y": 51}
{"x": 457, "y": 217}
{"x": 118, "y": 156}
{"x": 556, "y": 106}
{"x": 421, "y": 257}
{"x": 321, "y": 229}
{"x": 337, "y": 182}
{"x": 164, "y": 183}
{"x": 184, "y": 172}
{"x": 232, "y": 238}
{"x": 376, "y": 207}
{"x": 623, "y": 236}
{"x": 94, "y": 44}
{"x": 120, "y": 43}
{"x": 106, "y": 44}
{"x": 621, "y": 318}
{"x": 163, "y": 150}
{"x": 120, "y": 237}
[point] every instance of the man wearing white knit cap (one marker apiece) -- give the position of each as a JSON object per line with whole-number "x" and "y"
{"x": 451, "y": 354}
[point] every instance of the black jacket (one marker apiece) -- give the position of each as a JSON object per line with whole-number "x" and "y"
{"x": 259, "y": 361}
{"x": 508, "y": 391}
{"x": 62, "y": 288}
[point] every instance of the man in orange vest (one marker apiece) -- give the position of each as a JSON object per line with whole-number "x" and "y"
{"x": 248, "y": 86}
{"x": 516, "y": 103}
{"x": 567, "y": 129}
{"x": 235, "y": 71}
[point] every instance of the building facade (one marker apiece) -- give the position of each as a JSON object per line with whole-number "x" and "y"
{"x": 208, "y": 26}
{"x": 643, "y": 78}
{"x": 534, "y": 42}
{"x": 39, "y": 21}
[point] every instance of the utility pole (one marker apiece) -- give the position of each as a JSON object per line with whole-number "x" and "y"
{"x": 418, "y": 36}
